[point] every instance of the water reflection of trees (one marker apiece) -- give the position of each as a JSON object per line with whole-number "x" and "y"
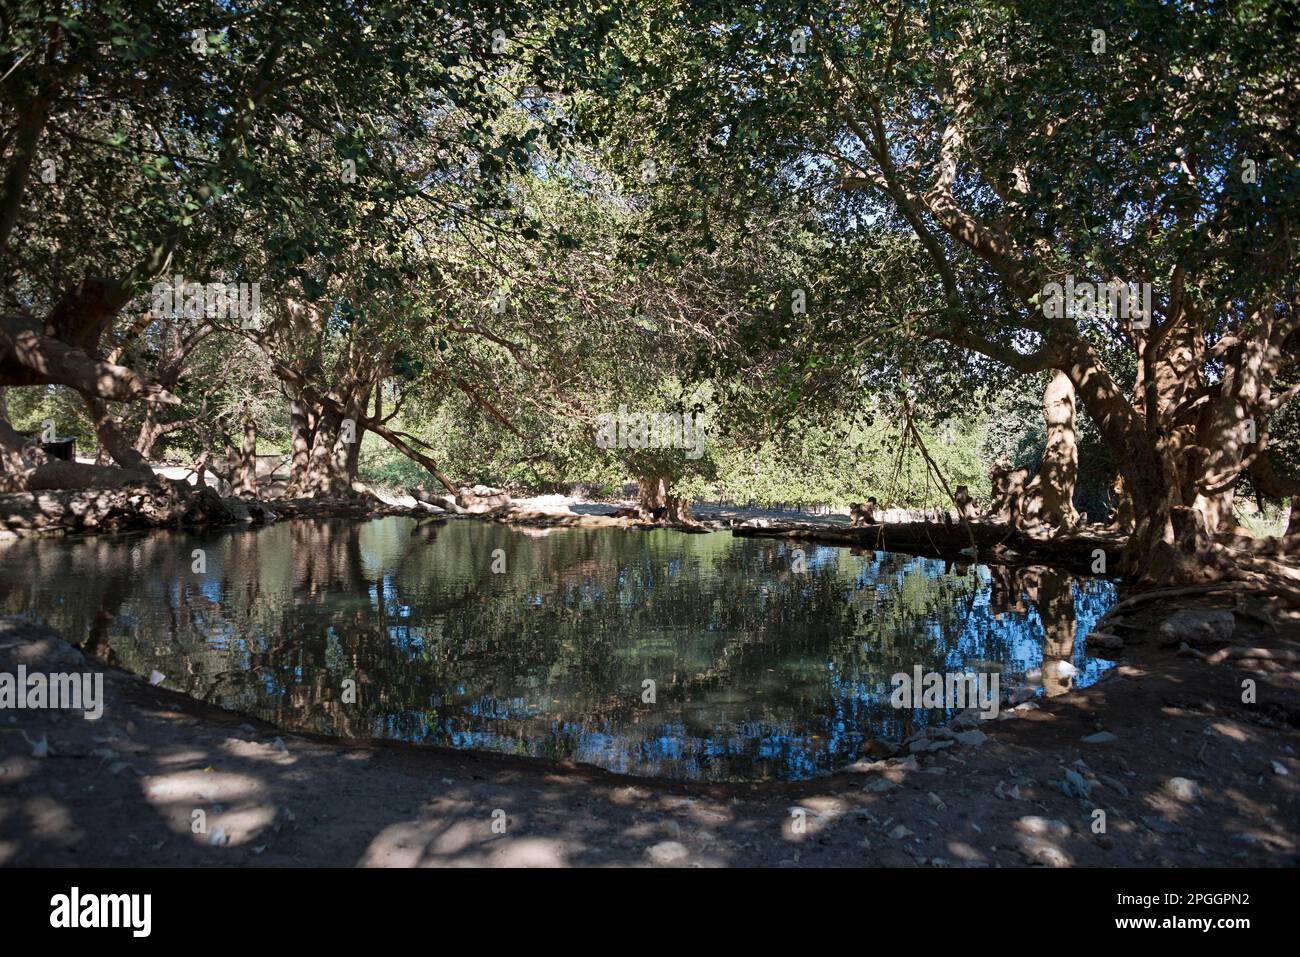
{"x": 757, "y": 666}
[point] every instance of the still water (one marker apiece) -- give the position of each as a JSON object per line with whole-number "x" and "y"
{"x": 540, "y": 642}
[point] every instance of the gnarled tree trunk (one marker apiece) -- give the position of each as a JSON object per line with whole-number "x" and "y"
{"x": 248, "y": 458}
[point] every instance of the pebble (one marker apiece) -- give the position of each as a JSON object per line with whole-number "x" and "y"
{"x": 1184, "y": 789}
{"x": 667, "y": 852}
{"x": 1101, "y": 737}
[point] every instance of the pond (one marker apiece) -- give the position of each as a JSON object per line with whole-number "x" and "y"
{"x": 704, "y": 656}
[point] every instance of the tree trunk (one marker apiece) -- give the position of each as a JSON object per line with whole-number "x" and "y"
{"x": 112, "y": 440}
{"x": 300, "y": 434}
{"x": 332, "y": 462}
{"x": 15, "y": 450}
{"x": 150, "y": 432}
{"x": 1049, "y": 497}
{"x": 248, "y": 459}
{"x": 652, "y": 496}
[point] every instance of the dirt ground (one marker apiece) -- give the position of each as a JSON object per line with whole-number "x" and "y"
{"x": 1194, "y": 776}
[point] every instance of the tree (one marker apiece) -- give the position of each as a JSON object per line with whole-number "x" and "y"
{"x": 1015, "y": 147}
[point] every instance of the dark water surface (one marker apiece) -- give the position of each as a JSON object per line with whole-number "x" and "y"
{"x": 760, "y": 671}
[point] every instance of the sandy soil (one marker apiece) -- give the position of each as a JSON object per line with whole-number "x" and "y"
{"x": 123, "y": 790}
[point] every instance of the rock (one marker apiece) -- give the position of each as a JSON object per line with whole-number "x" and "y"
{"x": 936, "y": 801}
{"x": 156, "y": 677}
{"x": 905, "y": 764}
{"x": 1114, "y": 785}
{"x": 1103, "y": 641}
{"x": 1021, "y": 695}
{"x": 1183, "y": 789}
{"x": 900, "y": 832}
{"x": 1075, "y": 784}
{"x": 1035, "y": 826}
{"x": 481, "y": 499}
{"x": 1280, "y": 768}
{"x": 1037, "y": 841}
{"x": 218, "y": 837}
{"x": 1003, "y": 793}
{"x": 879, "y": 748}
{"x": 667, "y": 853}
{"x": 1039, "y": 851}
{"x": 1101, "y": 737}
{"x": 879, "y": 785}
{"x": 1197, "y": 626}
{"x": 971, "y": 739}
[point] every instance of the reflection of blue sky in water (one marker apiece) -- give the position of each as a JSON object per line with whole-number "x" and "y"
{"x": 760, "y": 671}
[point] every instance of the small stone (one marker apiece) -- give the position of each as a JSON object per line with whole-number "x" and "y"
{"x": 667, "y": 852}
{"x": 156, "y": 677}
{"x": 900, "y": 832}
{"x": 218, "y": 837}
{"x": 879, "y": 785}
{"x": 1113, "y": 784}
{"x": 971, "y": 739}
{"x": 1036, "y": 826}
{"x": 1075, "y": 784}
{"x": 1039, "y": 851}
{"x": 1183, "y": 789}
{"x": 1101, "y": 737}
{"x": 1280, "y": 768}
